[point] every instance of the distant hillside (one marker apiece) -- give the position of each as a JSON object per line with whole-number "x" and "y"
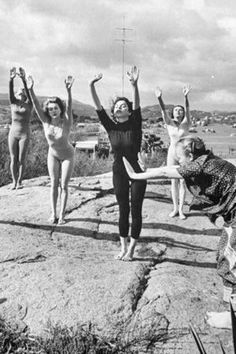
{"x": 154, "y": 112}
{"x": 85, "y": 111}
{"x": 79, "y": 108}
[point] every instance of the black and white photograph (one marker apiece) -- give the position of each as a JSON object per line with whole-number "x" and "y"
{"x": 118, "y": 177}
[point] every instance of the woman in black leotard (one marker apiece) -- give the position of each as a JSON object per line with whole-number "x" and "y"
{"x": 125, "y": 134}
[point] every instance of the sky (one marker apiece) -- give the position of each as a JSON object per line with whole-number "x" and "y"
{"x": 173, "y": 43}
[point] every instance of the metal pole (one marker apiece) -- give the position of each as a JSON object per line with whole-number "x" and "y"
{"x": 123, "y": 40}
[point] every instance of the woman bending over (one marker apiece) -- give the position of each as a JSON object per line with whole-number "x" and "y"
{"x": 124, "y": 129}
{"x": 57, "y": 123}
{"x": 212, "y": 182}
{"x": 177, "y": 126}
{"x": 19, "y": 134}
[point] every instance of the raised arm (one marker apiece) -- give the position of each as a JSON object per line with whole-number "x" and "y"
{"x": 165, "y": 115}
{"x": 12, "y": 97}
{"x": 36, "y": 104}
{"x": 23, "y": 78}
{"x": 68, "y": 83}
{"x": 159, "y": 172}
{"x": 95, "y": 98}
{"x": 133, "y": 76}
{"x": 186, "y": 91}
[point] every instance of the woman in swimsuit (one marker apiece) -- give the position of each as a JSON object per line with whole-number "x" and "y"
{"x": 177, "y": 126}
{"x": 19, "y": 134}
{"x": 57, "y": 123}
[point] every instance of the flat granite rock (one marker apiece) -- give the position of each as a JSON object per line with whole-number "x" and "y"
{"x": 68, "y": 275}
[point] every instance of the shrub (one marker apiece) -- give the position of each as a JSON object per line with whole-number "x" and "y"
{"x": 36, "y": 160}
{"x": 62, "y": 340}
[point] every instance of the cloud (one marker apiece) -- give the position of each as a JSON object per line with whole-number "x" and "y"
{"x": 173, "y": 43}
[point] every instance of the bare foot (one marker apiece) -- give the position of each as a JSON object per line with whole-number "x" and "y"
{"x": 61, "y": 221}
{"x": 52, "y": 219}
{"x": 13, "y": 186}
{"x": 182, "y": 216}
{"x": 19, "y": 186}
{"x": 173, "y": 213}
{"x": 120, "y": 256}
{"x": 219, "y": 319}
{"x": 128, "y": 257}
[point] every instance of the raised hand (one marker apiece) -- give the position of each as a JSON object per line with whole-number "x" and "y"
{"x": 186, "y": 90}
{"x": 22, "y": 73}
{"x": 133, "y": 75}
{"x": 30, "y": 82}
{"x": 158, "y": 92}
{"x": 12, "y": 73}
{"x": 96, "y": 78}
{"x": 69, "y": 82}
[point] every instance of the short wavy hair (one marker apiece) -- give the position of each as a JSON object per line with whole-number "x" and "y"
{"x": 193, "y": 145}
{"x": 117, "y": 99}
{"x": 56, "y": 100}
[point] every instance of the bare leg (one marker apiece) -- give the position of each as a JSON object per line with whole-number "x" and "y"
{"x": 182, "y": 193}
{"x": 23, "y": 146}
{"x": 130, "y": 253}
{"x": 66, "y": 172}
{"x": 123, "y": 243}
{"x": 54, "y": 171}
{"x": 13, "y": 144}
{"x": 175, "y": 196}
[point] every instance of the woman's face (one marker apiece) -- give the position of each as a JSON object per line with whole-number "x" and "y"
{"x": 54, "y": 110}
{"x": 181, "y": 155}
{"x": 121, "y": 110}
{"x": 178, "y": 113}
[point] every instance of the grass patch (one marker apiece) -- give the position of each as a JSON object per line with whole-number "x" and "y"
{"x": 63, "y": 340}
{"x": 36, "y": 159}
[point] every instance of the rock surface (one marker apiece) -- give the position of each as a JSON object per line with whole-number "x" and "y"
{"x": 67, "y": 274}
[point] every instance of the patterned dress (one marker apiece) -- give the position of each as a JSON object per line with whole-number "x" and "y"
{"x": 212, "y": 182}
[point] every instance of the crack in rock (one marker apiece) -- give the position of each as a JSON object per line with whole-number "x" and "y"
{"x": 26, "y": 258}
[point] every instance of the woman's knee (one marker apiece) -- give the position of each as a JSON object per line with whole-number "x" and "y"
{"x": 174, "y": 182}
{"x": 14, "y": 159}
{"x": 54, "y": 183}
{"x": 21, "y": 160}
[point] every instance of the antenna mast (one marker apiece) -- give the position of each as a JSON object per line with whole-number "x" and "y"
{"x": 123, "y": 40}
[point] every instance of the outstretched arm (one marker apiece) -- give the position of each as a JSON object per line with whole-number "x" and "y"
{"x": 133, "y": 76}
{"x": 166, "y": 118}
{"x": 68, "y": 83}
{"x": 23, "y": 78}
{"x": 95, "y": 98}
{"x": 186, "y": 91}
{"x": 36, "y": 104}
{"x": 160, "y": 172}
{"x": 12, "y": 97}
